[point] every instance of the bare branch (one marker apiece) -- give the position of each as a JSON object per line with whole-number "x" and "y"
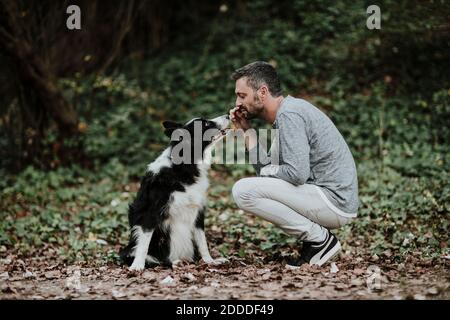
{"x": 125, "y": 28}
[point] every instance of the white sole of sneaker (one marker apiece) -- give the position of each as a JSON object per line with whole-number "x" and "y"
{"x": 316, "y": 260}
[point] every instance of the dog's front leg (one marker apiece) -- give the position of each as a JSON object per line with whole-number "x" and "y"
{"x": 143, "y": 239}
{"x": 200, "y": 240}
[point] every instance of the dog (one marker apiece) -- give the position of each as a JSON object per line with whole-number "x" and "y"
{"x": 167, "y": 216}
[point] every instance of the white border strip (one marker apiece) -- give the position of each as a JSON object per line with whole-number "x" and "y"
{"x": 332, "y": 206}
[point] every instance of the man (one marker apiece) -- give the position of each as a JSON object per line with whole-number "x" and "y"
{"x": 314, "y": 187}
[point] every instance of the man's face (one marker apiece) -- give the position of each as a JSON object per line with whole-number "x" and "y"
{"x": 248, "y": 99}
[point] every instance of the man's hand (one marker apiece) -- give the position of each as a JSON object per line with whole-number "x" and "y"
{"x": 238, "y": 117}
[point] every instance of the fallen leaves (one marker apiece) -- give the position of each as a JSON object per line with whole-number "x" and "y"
{"x": 433, "y": 291}
{"x": 168, "y": 280}
{"x": 189, "y": 277}
{"x": 117, "y": 294}
{"x": 52, "y": 274}
{"x": 334, "y": 268}
{"x": 358, "y": 271}
{"x": 38, "y": 278}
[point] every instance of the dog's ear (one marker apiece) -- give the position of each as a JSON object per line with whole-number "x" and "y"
{"x": 171, "y": 124}
{"x": 170, "y": 127}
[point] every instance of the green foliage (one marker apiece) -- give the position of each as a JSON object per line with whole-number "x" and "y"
{"x": 70, "y": 208}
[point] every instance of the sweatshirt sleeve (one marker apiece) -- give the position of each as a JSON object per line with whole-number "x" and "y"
{"x": 258, "y": 157}
{"x": 294, "y": 147}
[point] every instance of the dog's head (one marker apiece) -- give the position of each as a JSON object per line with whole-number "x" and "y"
{"x": 192, "y": 139}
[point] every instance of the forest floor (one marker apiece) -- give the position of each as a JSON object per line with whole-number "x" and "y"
{"x": 256, "y": 268}
{"x": 43, "y": 277}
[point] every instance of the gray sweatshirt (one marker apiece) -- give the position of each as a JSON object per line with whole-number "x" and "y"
{"x": 311, "y": 150}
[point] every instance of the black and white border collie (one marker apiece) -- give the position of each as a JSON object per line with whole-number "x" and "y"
{"x": 167, "y": 215}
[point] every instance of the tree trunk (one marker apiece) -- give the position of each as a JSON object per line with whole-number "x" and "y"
{"x": 33, "y": 71}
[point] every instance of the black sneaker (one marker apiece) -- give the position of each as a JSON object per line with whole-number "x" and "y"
{"x": 318, "y": 253}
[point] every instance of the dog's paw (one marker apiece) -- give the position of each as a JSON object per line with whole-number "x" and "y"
{"x": 221, "y": 260}
{"x": 137, "y": 267}
{"x": 217, "y": 261}
{"x": 177, "y": 263}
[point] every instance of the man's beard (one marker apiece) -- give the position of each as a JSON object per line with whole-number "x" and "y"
{"x": 256, "y": 110}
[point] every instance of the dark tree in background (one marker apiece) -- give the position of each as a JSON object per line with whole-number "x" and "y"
{"x": 33, "y": 68}
{"x": 28, "y": 51}
{"x": 38, "y": 50}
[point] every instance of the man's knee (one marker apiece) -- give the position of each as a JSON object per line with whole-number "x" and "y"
{"x": 242, "y": 192}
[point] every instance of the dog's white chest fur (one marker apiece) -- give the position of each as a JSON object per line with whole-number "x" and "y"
{"x": 183, "y": 211}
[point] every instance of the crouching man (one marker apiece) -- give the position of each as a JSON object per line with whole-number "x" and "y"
{"x": 314, "y": 186}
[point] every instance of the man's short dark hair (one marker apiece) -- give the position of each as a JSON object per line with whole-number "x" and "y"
{"x": 259, "y": 73}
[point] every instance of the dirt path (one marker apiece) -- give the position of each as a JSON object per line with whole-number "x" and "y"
{"x": 44, "y": 278}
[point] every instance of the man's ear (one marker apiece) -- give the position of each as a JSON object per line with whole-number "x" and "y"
{"x": 263, "y": 90}
{"x": 170, "y": 127}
